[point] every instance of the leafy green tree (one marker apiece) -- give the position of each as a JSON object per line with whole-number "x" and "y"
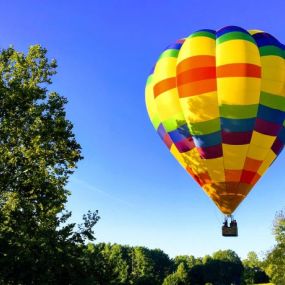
{"x": 188, "y": 260}
{"x": 115, "y": 264}
{"x": 207, "y": 258}
{"x": 142, "y": 266}
{"x": 227, "y": 255}
{"x": 162, "y": 265}
{"x": 252, "y": 260}
{"x": 172, "y": 279}
{"x": 197, "y": 275}
{"x": 275, "y": 261}
{"x": 253, "y": 272}
{"x": 38, "y": 153}
{"x": 180, "y": 277}
{"x": 223, "y": 268}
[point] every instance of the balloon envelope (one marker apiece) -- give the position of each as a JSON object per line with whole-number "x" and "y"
{"x": 217, "y": 100}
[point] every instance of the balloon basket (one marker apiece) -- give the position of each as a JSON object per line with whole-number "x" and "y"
{"x": 231, "y": 229}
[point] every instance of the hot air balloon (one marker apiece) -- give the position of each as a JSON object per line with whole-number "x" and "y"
{"x": 217, "y": 100}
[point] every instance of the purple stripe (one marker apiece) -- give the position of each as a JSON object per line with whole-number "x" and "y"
{"x": 185, "y": 145}
{"x": 266, "y": 127}
{"x": 211, "y": 151}
{"x": 277, "y": 146}
{"x": 161, "y": 131}
{"x": 236, "y": 138}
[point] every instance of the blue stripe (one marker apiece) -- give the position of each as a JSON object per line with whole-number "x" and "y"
{"x": 270, "y": 115}
{"x": 264, "y": 39}
{"x": 174, "y": 46}
{"x": 237, "y": 125}
{"x": 230, "y": 29}
{"x": 180, "y": 134}
{"x": 208, "y": 140}
{"x": 281, "y": 135}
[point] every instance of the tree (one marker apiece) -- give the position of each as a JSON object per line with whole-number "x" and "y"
{"x": 180, "y": 277}
{"x": 188, "y": 260}
{"x": 142, "y": 270}
{"x": 253, "y": 272}
{"x": 38, "y": 153}
{"x": 223, "y": 268}
{"x": 162, "y": 265}
{"x": 275, "y": 261}
{"x": 112, "y": 261}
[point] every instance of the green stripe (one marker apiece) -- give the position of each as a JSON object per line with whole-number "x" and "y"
{"x": 173, "y": 123}
{"x": 235, "y": 36}
{"x": 204, "y": 128}
{"x": 169, "y": 53}
{"x": 149, "y": 79}
{"x": 238, "y": 111}
{"x": 203, "y": 34}
{"x": 271, "y": 50}
{"x": 272, "y": 101}
{"x": 155, "y": 121}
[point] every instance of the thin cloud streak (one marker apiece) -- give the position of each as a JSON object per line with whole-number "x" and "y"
{"x": 87, "y": 185}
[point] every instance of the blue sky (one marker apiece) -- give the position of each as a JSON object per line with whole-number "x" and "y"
{"x": 105, "y": 50}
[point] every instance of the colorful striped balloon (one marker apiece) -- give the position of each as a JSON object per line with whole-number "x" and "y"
{"x": 217, "y": 100}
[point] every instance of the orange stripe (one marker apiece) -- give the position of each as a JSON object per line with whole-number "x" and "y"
{"x": 255, "y": 179}
{"x": 197, "y": 87}
{"x": 252, "y": 164}
{"x": 196, "y": 74}
{"x": 196, "y": 62}
{"x": 232, "y": 175}
{"x": 164, "y": 85}
{"x": 239, "y": 70}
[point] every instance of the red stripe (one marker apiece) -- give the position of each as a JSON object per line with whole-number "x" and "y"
{"x": 211, "y": 151}
{"x": 236, "y": 138}
{"x": 266, "y": 127}
{"x": 168, "y": 141}
{"x": 247, "y": 176}
{"x": 164, "y": 85}
{"x": 196, "y": 74}
{"x": 239, "y": 70}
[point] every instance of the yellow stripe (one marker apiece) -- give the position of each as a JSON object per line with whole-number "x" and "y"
{"x": 207, "y": 105}
{"x": 197, "y": 46}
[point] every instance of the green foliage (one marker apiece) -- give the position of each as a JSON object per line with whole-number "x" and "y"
{"x": 172, "y": 279}
{"x": 227, "y": 255}
{"x": 38, "y": 152}
{"x": 117, "y": 264}
{"x": 275, "y": 261}
{"x": 180, "y": 277}
{"x": 188, "y": 260}
{"x": 253, "y": 272}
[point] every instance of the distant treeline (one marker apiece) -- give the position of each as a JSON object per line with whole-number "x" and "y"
{"x": 117, "y": 264}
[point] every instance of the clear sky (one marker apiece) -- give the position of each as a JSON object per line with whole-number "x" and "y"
{"x": 105, "y": 50}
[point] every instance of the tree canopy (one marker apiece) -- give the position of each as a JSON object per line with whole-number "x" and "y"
{"x": 38, "y": 152}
